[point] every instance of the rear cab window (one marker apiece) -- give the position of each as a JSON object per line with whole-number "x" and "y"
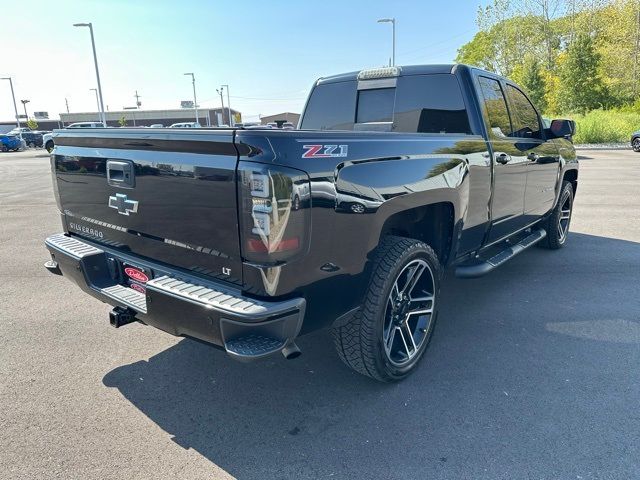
{"x": 431, "y": 103}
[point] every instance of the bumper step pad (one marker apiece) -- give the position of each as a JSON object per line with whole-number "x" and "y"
{"x": 222, "y": 300}
{"x": 254, "y": 345}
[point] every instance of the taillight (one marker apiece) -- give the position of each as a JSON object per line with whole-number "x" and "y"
{"x": 275, "y": 219}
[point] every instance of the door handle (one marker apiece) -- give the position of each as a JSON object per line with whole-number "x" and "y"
{"x": 503, "y": 158}
{"x": 533, "y": 157}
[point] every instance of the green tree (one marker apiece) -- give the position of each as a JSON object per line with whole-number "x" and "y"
{"x": 533, "y": 82}
{"x": 32, "y": 124}
{"x": 122, "y": 122}
{"x": 581, "y": 84}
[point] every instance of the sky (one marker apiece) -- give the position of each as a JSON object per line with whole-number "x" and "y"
{"x": 268, "y": 52}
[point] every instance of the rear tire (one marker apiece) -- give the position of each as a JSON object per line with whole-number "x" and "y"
{"x": 636, "y": 144}
{"x": 390, "y": 332}
{"x": 559, "y": 220}
{"x": 49, "y": 146}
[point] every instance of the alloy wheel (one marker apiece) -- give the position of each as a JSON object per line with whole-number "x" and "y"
{"x": 564, "y": 219}
{"x": 409, "y": 312}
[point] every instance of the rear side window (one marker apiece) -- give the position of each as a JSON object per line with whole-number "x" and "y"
{"x": 332, "y": 106}
{"x": 430, "y": 104}
{"x": 524, "y": 117}
{"x": 496, "y": 107}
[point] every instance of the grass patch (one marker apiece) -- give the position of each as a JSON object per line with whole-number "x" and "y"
{"x": 605, "y": 126}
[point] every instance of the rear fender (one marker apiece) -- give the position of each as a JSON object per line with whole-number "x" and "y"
{"x": 385, "y": 188}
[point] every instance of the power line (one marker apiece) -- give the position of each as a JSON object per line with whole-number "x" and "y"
{"x": 426, "y": 48}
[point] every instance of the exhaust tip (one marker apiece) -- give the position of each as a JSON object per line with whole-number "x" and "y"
{"x": 291, "y": 351}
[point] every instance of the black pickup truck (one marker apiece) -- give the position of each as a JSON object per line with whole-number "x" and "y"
{"x": 249, "y": 238}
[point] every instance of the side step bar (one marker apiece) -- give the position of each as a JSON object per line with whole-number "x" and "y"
{"x": 479, "y": 269}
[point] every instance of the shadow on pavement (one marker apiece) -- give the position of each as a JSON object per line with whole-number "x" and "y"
{"x": 525, "y": 366}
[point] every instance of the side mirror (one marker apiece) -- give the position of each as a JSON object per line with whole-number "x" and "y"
{"x": 561, "y": 128}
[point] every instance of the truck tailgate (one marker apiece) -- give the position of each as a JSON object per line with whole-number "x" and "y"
{"x": 168, "y": 196}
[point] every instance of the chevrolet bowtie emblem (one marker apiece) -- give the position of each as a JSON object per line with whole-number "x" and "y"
{"x": 121, "y": 203}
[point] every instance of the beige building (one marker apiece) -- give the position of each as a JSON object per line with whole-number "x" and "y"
{"x": 206, "y": 116}
{"x": 280, "y": 118}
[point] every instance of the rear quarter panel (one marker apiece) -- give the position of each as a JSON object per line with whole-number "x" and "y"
{"x": 382, "y": 173}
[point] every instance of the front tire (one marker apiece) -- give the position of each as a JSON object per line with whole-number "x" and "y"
{"x": 557, "y": 224}
{"x": 636, "y": 144}
{"x": 49, "y": 146}
{"x": 389, "y": 334}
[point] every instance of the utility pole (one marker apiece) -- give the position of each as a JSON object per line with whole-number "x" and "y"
{"x": 221, "y": 93}
{"x": 229, "y": 106}
{"x": 66, "y": 103}
{"x": 195, "y": 101}
{"x": 138, "y": 104}
{"x": 95, "y": 61}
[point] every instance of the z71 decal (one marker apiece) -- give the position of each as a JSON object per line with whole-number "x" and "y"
{"x": 324, "y": 151}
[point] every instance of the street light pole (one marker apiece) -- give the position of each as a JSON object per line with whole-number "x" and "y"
{"x": 95, "y": 61}
{"x": 13, "y": 95}
{"x": 229, "y": 106}
{"x": 195, "y": 101}
{"x": 392, "y": 21}
{"x": 96, "y": 92}
{"x": 24, "y": 105}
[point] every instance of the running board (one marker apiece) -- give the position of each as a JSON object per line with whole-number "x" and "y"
{"x": 486, "y": 266}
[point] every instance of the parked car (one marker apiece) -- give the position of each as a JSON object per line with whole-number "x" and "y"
{"x": 156, "y": 125}
{"x": 10, "y": 143}
{"x": 47, "y": 141}
{"x": 32, "y": 139}
{"x": 288, "y": 126}
{"x": 399, "y": 173}
{"x": 186, "y": 125}
{"x": 85, "y": 125}
{"x": 19, "y": 130}
{"x": 635, "y": 141}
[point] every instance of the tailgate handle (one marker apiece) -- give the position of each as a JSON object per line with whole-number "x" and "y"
{"x": 120, "y": 173}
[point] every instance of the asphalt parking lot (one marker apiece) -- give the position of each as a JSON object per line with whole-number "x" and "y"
{"x": 533, "y": 373}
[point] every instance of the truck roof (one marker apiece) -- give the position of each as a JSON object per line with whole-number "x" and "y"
{"x": 405, "y": 70}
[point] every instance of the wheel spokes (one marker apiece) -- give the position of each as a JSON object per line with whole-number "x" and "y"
{"x": 407, "y": 340}
{"x": 413, "y": 277}
{"x": 390, "y": 337}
